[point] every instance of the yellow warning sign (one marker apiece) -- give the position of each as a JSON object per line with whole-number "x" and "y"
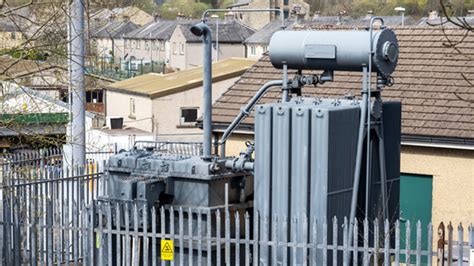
{"x": 167, "y": 249}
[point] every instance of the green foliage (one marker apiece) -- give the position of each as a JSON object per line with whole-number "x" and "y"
{"x": 187, "y": 8}
{"x": 26, "y": 54}
{"x": 415, "y": 8}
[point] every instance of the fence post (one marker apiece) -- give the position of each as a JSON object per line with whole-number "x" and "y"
{"x": 460, "y": 244}
{"x": 450, "y": 244}
{"x": 440, "y": 244}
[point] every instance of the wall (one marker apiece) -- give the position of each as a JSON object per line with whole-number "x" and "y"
{"x": 226, "y": 50}
{"x": 453, "y": 180}
{"x": 452, "y": 171}
{"x": 142, "y": 52}
{"x": 167, "y": 112}
{"x": 259, "y": 50}
{"x": 177, "y": 57}
{"x": 118, "y": 105}
{"x": 191, "y": 55}
{"x": 10, "y": 40}
{"x": 260, "y": 19}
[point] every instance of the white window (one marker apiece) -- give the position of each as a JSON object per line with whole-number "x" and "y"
{"x": 188, "y": 116}
{"x": 181, "y": 49}
{"x": 265, "y": 48}
{"x": 147, "y": 45}
{"x": 175, "y": 48}
{"x": 134, "y": 43}
{"x": 132, "y": 108}
{"x": 252, "y": 50}
{"x": 138, "y": 44}
{"x": 162, "y": 46}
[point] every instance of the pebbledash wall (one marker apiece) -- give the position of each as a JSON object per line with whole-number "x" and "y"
{"x": 452, "y": 171}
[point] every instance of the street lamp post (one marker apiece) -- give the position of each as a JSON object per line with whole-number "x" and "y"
{"x": 217, "y": 35}
{"x": 401, "y": 10}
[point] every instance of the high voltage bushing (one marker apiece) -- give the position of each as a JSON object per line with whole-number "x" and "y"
{"x": 335, "y": 50}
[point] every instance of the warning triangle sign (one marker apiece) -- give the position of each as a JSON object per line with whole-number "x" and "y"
{"x": 167, "y": 248}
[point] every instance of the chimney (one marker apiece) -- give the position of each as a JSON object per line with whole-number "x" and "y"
{"x": 229, "y": 16}
{"x": 180, "y": 16}
{"x": 433, "y": 15}
{"x": 316, "y": 15}
{"x": 157, "y": 17}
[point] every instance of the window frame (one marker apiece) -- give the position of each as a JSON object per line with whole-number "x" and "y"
{"x": 183, "y": 123}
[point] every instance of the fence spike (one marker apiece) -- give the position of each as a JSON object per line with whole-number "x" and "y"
{"x": 430, "y": 243}
{"x": 334, "y": 240}
{"x": 386, "y": 245}
{"x": 218, "y": 237}
{"x": 247, "y": 238}
{"x": 460, "y": 244}
{"x": 366, "y": 243}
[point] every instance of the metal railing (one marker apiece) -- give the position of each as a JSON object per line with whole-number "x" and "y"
{"x": 52, "y": 217}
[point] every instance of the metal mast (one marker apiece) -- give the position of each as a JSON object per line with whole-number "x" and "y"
{"x": 77, "y": 84}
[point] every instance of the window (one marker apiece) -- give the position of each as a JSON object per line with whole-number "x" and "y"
{"x": 138, "y": 44}
{"x": 134, "y": 43}
{"x": 147, "y": 45}
{"x": 252, "y": 50}
{"x": 265, "y": 48}
{"x": 162, "y": 46}
{"x": 13, "y": 35}
{"x": 188, "y": 116}
{"x": 132, "y": 109}
{"x": 181, "y": 50}
{"x": 175, "y": 49}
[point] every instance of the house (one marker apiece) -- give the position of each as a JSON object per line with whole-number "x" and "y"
{"x": 151, "y": 41}
{"x": 14, "y": 27}
{"x": 51, "y": 80}
{"x": 108, "y": 39}
{"x": 259, "y": 19}
{"x": 32, "y": 118}
{"x": 169, "y": 105}
{"x": 11, "y": 35}
{"x": 132, "y": 13}
{"x": 434, "y": 19}
{"x": 186, "y": 48}
{"x": 257, "y": 43}
{"x": 435, "y": 85}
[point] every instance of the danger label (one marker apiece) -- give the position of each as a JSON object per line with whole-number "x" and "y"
{"x": 167, "y": 249}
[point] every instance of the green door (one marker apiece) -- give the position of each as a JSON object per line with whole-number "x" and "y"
{"x": 415, "y": 204}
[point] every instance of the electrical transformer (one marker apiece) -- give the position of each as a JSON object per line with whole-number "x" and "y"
{"x": 309, "y": 152}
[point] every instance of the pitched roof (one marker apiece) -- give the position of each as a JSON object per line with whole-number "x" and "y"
{"x": 433, "y": 81}
{"x": 229, "y": 32}
{"x": 114, "y": 29}
{"x": 156, "y": 85}
{"x": 263, "y": 35}
{"x": 157, "y": 30}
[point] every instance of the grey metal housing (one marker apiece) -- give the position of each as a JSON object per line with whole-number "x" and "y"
{"x": 334, "y": 50}
{"x": 304, "y": 161}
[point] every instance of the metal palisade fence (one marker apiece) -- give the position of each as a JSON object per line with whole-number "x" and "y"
{"x": 57, "y": 216}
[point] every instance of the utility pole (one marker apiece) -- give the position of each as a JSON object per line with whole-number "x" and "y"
{"x": 76, "y": 148}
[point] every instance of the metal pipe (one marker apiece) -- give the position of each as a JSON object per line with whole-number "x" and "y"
{"x": 246, "y": 10}
{"x": 245, "y": 111}
{"x": 285, "y": 95}
{"x": 369, "y": 124}
{"x": 383, "y": 171}
{"x": 201, "y": 29}
{"x": 360, "y": 140}
{"x": 78, "y": 140}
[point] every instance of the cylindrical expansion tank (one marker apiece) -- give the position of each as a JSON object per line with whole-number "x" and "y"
{"x": 334, "y": 50}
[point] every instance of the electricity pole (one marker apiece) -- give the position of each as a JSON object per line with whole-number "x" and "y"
{"x": 76, "y": 148}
